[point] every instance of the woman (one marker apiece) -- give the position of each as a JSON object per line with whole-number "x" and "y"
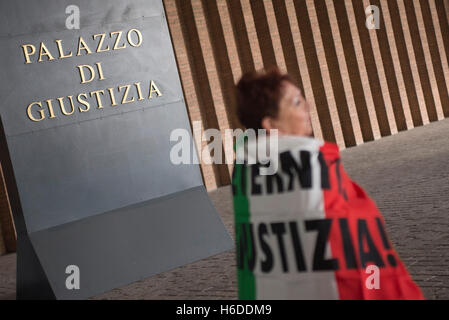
{"x": 306, "y": 231}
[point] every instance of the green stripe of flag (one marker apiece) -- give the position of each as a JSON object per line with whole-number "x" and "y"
{"x": 245, "y": 277}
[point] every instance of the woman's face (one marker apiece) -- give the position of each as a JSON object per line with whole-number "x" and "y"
{"x": 293, "y": 116}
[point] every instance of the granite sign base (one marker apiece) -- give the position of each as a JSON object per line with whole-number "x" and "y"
{"x": 94, "y": 191}
{"x": 121, "y": 246}
{"x": 31, "y": 281}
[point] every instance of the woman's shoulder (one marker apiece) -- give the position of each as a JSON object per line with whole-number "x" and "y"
{"x": 294, "y": 143}
{"x": 277, "y": 144}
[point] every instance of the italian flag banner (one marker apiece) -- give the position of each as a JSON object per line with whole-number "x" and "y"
{"x": 308, "y": 231}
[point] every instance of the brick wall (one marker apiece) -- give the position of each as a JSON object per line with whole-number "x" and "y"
{"x": 363, "y": 84}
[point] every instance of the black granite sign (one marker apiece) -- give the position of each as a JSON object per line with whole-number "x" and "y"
{"x": 87, "y": 111}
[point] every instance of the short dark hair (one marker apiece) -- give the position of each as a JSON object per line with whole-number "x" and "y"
{"x": 258, "y": 96}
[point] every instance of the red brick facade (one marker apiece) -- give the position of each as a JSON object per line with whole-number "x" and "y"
{"x": 363, "y": 83}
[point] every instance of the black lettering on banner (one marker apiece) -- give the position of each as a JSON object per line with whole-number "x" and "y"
{"x": 303, "y": 171}
{"x": 255, "y": 172}
{"x": 323, "y": 227}
{"x": 297, "y": 246}
{"x": 324, "y": 172}
{"x": 279, "y": 230}
{"x": 269, "y": 182}
{"x": 305, "y": 175}
{"x": 390, "y": 257}
{"x": 266, "y": 264}
{"x": 348, "y": 248}
{"x": 368, "y": 252}
{"x": 246, "y": 250}
{"x": 383, "y": 235}
{"x": 372, "y": 255}
{"x": 341, "y": 190}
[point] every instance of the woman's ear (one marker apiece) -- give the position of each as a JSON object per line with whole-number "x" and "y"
{"x": 267, "y": 124}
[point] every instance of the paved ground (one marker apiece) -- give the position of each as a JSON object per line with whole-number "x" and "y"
{"x": 406, "y": 174}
